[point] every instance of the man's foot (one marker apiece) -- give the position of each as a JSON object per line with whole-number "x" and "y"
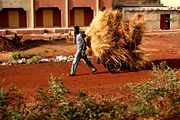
{"x": 71, "y": 74}
{"x": 94, "y": 71}
{"x": 98, "y": 61}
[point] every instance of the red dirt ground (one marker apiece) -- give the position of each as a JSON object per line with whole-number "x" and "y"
{"x": 161, "y": 46}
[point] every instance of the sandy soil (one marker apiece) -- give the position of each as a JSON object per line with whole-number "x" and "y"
{"x": 163, "y": 46}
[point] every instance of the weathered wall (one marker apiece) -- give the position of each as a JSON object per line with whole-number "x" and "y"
{"x": 25, "y": 4}
{"x": 174, "y": 20}
{"x": 152, "y": 19}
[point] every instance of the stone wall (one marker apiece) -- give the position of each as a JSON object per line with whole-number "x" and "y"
{"x": 152, "y": 18}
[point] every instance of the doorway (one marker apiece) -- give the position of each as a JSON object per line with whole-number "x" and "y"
{"x": 81, "y": 16}
{"x": 13, "y": 18}
{"x": 165, "y": 21}
{"x": 48, "y": 17}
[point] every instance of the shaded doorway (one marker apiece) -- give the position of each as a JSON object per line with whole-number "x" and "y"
{"x": 48, "y": 17}
{"x": 165, "y": 21}
{"x": 13, "y": 18}
{"x": 81, "y": 16}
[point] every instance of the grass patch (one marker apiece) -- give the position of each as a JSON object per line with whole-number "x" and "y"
{"x": 54, "y": 50}
{"x": 34, "y": 59}
{"x": 27, "y": 55}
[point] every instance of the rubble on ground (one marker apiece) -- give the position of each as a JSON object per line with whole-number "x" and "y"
{"x": 26, "y": 61}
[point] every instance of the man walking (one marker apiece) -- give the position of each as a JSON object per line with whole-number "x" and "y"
{"x": 81, "y": 48}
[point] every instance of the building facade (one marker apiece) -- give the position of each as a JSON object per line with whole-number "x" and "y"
{"x": 67, "y": 13}
{"x": 155, "y": 18}
{"x": 49, "y": 13}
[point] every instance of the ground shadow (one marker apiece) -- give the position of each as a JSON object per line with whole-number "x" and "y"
{"x": 173, "y": 63}
{"x": 92, "y": 73}
{"x": 28, "y": 44}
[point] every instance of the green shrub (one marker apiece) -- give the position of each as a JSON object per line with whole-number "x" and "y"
{"x": 54, "y": 50}
{"x": 55, "y": 105}
{"x": 157, "y": 98}
{"x": 15, "y": 56}
{"x": 46, "y": 51}
{"x": 34, "y": 59}
{"x": 27, "y": 55}
{"x": 11, "y": 104}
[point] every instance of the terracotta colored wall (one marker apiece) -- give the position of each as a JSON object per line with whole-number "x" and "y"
{"x": 61, "y": 4}
{"x": 50, "y": 4}
{"x": 91, "y": 4}
{"x": 82, "y": 3}
{"x": 105, "y": 3}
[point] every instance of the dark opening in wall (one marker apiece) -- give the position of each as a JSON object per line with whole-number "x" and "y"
{"x": 81, "y": 16}
{"x": 13, "y": 18}
{"x": 48, "y": 17}
{"x": 165, "y": 21}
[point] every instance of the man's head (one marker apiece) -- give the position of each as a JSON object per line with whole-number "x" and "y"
{"x": 76, "y": 29}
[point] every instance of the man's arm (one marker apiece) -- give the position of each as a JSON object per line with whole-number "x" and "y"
{"x": 84, "y": 46}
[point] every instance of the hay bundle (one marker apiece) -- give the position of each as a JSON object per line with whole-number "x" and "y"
{"x": 113, "y": 39}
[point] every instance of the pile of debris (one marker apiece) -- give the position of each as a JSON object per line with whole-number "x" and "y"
{"x": 7, "y": 44}
{"x": 29, "y": 61}
{"x": 115, "y": 40}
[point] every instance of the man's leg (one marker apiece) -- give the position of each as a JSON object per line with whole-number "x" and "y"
{"x": 75, "y": 62}
{"x": 85, "y": 59}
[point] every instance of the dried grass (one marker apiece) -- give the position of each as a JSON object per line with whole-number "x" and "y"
{"x": 113, "y": 39}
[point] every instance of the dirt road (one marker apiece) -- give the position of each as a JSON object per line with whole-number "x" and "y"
{"x": 159, "y": 47}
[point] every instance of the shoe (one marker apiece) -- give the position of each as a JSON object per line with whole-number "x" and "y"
{"x": 71, "y": 74}
{"x": 98, "y": 61}
{"x": 94, "y": 71}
